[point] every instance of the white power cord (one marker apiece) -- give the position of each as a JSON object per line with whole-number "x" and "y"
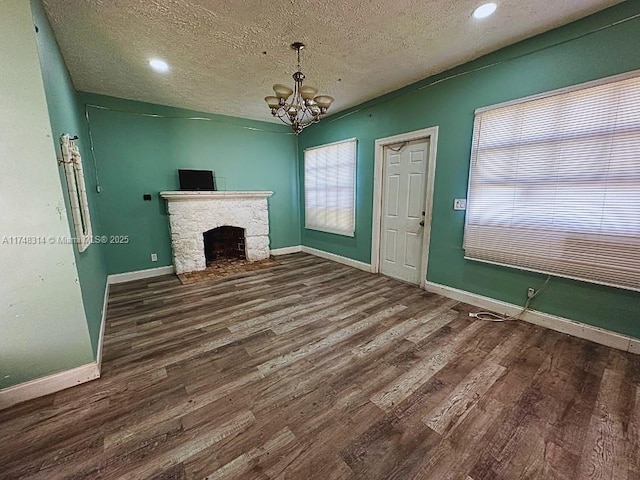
{"x": 494, "y": 317}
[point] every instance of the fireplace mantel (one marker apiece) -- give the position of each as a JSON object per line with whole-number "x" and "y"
{"x": 192, "y": 213}
{"x": 206, "y": 195}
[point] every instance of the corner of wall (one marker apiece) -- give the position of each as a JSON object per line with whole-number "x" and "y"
{"x": 44, "y": 324}
{"x": 66, "y": 115}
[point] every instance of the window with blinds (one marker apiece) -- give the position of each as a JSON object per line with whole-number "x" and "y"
{"x": 329, "y": 187}
{"x": 555, "y": 183}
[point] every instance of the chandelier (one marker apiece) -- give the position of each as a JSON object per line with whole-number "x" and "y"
{"x": 305, "y": 107}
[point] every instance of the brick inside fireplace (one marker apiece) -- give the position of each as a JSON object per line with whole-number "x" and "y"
{"x": 224, "y": 242}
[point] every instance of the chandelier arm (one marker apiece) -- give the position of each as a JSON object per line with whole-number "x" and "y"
{"x": 305, "y": 126}
{"x": 285, "y": 109}
{"x": 281, "y": 115}
{"x": 307, "y": 115}
{"x": 283, "y": 120}
{"x": 301, "y": 118}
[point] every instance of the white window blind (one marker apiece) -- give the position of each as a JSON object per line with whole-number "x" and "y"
{"x": 329, "y": 184}
{"x": 555, "y": 184}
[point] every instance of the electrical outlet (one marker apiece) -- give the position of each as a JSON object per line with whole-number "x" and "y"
{"x": 460, "y": 204}
{"x": 154, "y": 257}
{"x": 531, "y": 292}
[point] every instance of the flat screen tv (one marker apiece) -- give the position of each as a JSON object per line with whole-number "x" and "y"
{"x": 197, "y": 180}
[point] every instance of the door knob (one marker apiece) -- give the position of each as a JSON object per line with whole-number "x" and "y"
{"x": 422, "y": 223}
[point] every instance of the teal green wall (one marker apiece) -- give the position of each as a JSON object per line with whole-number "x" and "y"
{"x": 566, "y": 56}
{"x": 137, "y": 154}
{"x": 66, "y": 117}
{"x": 43, "y": 326}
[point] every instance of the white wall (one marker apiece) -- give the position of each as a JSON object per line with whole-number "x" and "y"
{"x": 42, "y": 322}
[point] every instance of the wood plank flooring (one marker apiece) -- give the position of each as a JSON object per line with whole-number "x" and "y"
{"x": 314, "y": 370}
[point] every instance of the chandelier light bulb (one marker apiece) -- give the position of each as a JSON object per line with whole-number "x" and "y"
{"x": 324, "y": 101}
{"x": 307, "y": 92}
{"x": 282, "y": 91}
{"x": 272, "y": 101}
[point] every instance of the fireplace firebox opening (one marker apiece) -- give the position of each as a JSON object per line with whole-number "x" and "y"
{"x": 224, "y": 243}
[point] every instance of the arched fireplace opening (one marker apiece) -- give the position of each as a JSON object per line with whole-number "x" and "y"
{"x": 224, "y": 243}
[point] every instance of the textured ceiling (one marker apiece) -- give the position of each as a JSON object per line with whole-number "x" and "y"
{"x": 226, "y": 54}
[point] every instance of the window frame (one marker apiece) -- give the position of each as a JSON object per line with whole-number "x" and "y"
{"x": 327, "y": 229}
{"x": 635, "y": 74}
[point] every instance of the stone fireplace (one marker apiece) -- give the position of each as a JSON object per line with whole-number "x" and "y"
{"x": 205, "y": 225}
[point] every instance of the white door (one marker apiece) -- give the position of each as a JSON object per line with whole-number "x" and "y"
{"x": 403, "y": 210}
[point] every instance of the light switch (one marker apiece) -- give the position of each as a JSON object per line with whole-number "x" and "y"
{"x": 460, "y": 204}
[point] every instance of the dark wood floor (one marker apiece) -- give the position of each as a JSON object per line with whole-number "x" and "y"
{"x": 314, "y": 370}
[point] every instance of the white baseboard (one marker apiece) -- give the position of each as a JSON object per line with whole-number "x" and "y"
{"x": 139, "y": 274}
{"x": 552, "y": 322}
{"x": 286, "y": 250}
{"x": 46, "y": 385}
{"x": 634, "y": 346}
{"x": 337, "y": 258}
{"x": 102, "y": 325}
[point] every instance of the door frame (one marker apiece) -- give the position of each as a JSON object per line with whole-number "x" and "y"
{"x": 430, "y": 134}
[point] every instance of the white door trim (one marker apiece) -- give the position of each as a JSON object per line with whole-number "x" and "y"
{"x": 430, "y": 134}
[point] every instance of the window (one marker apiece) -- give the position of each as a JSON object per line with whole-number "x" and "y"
{"x": 77, "y": 192}
{"x": 555, "y": 183}
{"x": 329, "y": 187}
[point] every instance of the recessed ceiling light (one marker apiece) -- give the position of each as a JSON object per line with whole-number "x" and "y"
{"x": 159, "y": 65}
{"x": 485, "y": 10}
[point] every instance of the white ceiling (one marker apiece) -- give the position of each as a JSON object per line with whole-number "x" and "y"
{"x": 356, "y": 49}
